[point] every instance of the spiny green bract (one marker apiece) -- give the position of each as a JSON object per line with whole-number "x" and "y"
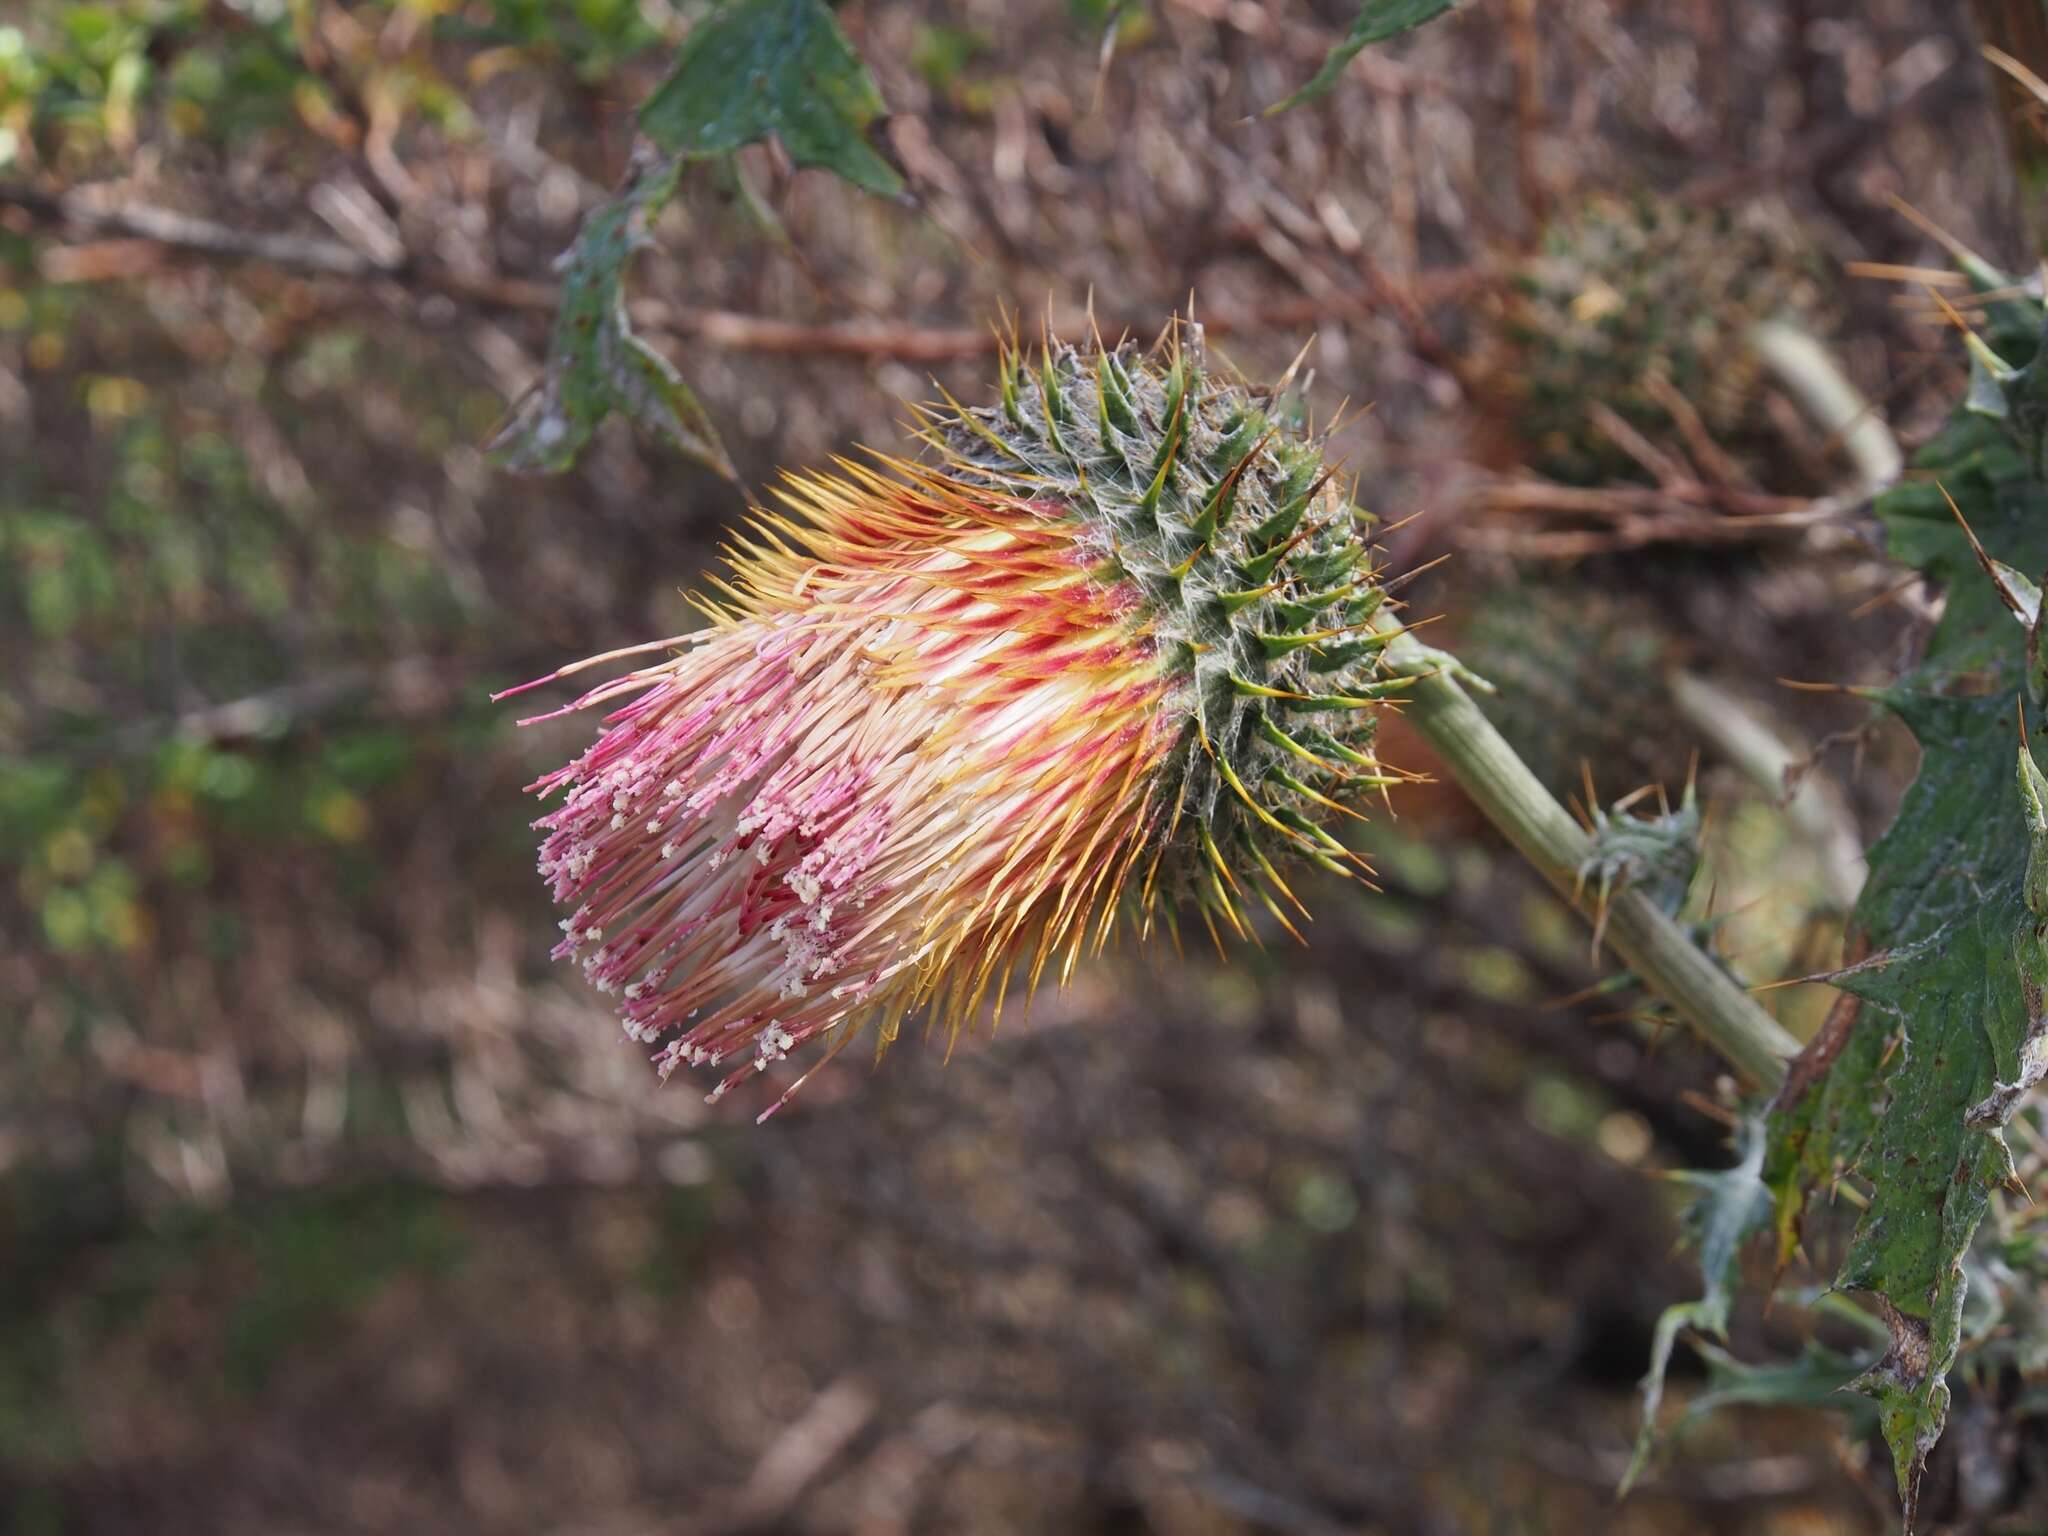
{"x": 1209, "y": 499}
{"x": 1623, "y": 291}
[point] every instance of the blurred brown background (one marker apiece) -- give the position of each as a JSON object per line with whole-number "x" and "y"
{"x": 326, "y": 1205}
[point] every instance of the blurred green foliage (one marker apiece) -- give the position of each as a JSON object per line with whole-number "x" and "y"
{"x": 274, "y": 1282}
{"x": 81, "y": 84}
{"x": 181, "y": 588}
{"x": 592, "y": 37}
{"x": 941, "y": 53}
{"x": 77, "y": 81}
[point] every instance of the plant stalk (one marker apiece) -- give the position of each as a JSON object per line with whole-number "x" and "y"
{"x": 1543, "y": 831}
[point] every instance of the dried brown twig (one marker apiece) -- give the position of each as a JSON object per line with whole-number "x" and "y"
{"x": 142, "y": 228}
{"x": 1684, "y": 510}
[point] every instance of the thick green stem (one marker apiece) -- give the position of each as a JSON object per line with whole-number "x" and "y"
{"x": 1543, "y": 831}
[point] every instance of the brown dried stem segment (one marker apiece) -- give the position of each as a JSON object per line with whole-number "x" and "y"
{"x": 1544, "y": 832}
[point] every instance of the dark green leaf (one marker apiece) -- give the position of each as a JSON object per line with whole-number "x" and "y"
{"x": 596, "y": 365}
{"x": 1908, "y": 1090}
{"x": 1377, "y": 21}
{"x": 780, "y": 67}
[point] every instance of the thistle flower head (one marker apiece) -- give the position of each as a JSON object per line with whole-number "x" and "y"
{"x": 1107, "y": 650}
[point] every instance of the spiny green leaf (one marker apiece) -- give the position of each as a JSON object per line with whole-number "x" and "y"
{"x": 1377, "y": 21}
{"x": 780, "y": 67}
{"x": 2034, "y": 810}
{"x": 1909, "y": 1091}
{"x": 596, "y": 365}
{"x": 1732, "y": 1204}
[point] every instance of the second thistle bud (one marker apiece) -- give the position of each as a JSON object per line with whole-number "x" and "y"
{"x": 1635, "y": 304}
